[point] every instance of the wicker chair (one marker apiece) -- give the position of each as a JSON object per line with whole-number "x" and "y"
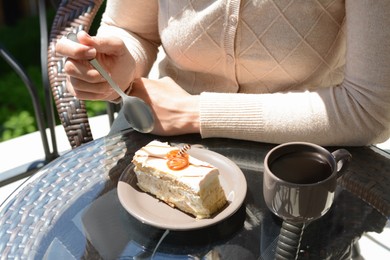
{"x": 71, "y": 16}
{"x": 78, "y": 15}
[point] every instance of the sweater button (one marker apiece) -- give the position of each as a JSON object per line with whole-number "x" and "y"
{"x": 233, "y": 20}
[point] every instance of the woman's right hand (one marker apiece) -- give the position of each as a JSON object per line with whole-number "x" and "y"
{"x": 84, "y": 81}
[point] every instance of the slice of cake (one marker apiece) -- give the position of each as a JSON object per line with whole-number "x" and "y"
{"x": 179, "y": 180}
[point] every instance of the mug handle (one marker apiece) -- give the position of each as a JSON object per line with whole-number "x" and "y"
{"x": 342, "y": 158}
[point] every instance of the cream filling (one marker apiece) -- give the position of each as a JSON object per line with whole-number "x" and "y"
{"x": 210, "y": 199}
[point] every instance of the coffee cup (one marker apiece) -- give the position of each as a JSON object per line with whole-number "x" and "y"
{"x": 300, "y": 180}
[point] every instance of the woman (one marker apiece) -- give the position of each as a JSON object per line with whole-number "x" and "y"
{"x": 261, "y": 70}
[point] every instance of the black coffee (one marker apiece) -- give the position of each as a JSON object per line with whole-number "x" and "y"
{"x": 301, "y": 167}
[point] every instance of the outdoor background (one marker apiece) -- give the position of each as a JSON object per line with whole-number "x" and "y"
{"x": 20, "y": 35}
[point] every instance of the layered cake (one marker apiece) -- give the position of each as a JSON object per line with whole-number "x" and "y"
{"x": 179, "y": 179}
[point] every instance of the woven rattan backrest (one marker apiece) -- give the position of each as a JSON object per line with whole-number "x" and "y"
{"x": 71, "y": 16}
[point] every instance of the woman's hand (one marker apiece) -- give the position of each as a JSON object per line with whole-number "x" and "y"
{"x": 85, "y": 82}
{"x": 176, "y": 111}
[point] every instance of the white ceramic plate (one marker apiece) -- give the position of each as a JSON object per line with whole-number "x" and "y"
{"x": 150, "y": 210}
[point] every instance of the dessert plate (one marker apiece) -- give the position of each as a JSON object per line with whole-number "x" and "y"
{"x": 149, "y": 210}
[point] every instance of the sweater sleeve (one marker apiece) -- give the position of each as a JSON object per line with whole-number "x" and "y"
{"x": 136, "y": 23}
{"x": 356, "y": 112}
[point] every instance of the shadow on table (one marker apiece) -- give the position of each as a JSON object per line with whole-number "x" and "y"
{"x": 114, "y": 233}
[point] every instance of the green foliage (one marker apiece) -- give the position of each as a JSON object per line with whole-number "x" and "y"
{"x": 14, "y": 94}
{"x": 18, "y": 124}
{"x": 17, "y": 116}
{"x": 23, "y": 41}
{"x": 96, "y": 108}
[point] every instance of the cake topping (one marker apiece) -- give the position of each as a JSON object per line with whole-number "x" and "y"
{"x": 184, "y": 149}
{"x": 177, "y": 163}
{"x": 178, "y": 159}
{"x": 160, "y": 150}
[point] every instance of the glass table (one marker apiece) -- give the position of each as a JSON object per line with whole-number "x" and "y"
{"x": 70, "y": 210}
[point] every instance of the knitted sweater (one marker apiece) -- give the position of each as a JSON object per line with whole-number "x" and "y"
{"x": 269, "y": 70}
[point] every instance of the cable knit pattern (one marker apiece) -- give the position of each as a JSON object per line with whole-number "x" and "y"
{"x": 273, "y": 71}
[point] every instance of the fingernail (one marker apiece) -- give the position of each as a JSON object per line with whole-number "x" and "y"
{"x": 91, "y": 53}
{"x": 85, "y": 34}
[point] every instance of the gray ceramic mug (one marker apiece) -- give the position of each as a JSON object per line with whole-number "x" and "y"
{"x": 300, "y": 180}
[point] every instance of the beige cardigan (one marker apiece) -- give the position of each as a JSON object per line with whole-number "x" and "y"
{"x": 267, "y": 70}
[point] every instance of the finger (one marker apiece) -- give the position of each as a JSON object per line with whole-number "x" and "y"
{"x": 83, "y": 71}
{"x": 84, "y": 38}
{"x": 74, "y": 50}
{"x": 105, "y": 45}
{"x": 88, "y": 95}
{"x": 79, "y": 85}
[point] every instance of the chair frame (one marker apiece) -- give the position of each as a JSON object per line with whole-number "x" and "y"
{"x": 44, "y": 115}
{"x": 71, "y": 16}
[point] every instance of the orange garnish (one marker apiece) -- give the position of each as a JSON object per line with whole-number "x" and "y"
{"x": 172, "y": 154}
{"x": 177, "y": 163}
{"x": 177, "y": 159}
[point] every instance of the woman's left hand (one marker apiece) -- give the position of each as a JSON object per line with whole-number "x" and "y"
{"x": 175, "y": 111}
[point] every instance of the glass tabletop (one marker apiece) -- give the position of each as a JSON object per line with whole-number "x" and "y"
{"x": 70, "y": 210}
